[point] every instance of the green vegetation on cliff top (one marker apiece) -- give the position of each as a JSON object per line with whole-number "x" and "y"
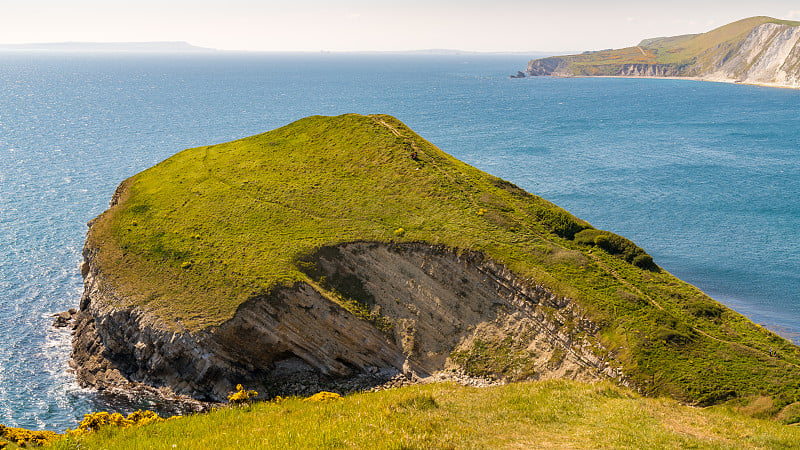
{"x": 200, "y": 233}
{"x": 551, "y": 414}
{"x": 680, "y": 51}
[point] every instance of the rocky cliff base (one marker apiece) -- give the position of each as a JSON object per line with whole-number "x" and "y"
{"x": 369, "y": 314}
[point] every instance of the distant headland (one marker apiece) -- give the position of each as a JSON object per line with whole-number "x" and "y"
{"x": 108, "y": 47}
{"x": 758, "y": 50}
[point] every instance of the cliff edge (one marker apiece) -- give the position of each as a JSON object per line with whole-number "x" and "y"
{"x": 757, "y": 50}
{"x": 343, "y": 252}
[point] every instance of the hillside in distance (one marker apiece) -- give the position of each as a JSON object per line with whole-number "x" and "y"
{"x": 757, "y": 50}
{"x": 339, "y": 251}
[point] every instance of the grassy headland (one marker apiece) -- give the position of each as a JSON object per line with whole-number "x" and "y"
{"x": 686, "y": 55}
{"x": 554, "y": 414}
{"x": 195, "y": 236}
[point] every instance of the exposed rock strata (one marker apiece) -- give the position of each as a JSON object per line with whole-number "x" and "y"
{"x": 769, "y": 55}
{"x": 299, "y": 339}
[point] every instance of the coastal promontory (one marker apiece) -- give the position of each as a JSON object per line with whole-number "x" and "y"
{"x": 348, "y": 252}
{"x": 758, "y": 50}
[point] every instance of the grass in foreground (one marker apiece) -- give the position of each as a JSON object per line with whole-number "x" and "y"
{"x": 552, "y": 414}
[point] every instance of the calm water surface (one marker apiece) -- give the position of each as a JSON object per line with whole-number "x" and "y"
{"x": 702, "y": 175}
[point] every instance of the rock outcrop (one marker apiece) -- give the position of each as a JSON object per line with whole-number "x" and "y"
{"x": 767, "y": 54}
{"x": 420, "y": 309}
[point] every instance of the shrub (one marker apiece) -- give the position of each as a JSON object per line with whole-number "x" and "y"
{"x": 618, "y": 246}
{"x": 644, "y": 261}
{"x": 23, "y": 437}
{"x": 561, "y": 222}
{"x": 707, "y": 310}
{"x": 588, "y": 236}
{"x": 323, "y": 397}
{"x": 241, "y": 396}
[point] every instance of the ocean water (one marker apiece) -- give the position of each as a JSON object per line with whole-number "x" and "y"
{"x": 704, "y": 176}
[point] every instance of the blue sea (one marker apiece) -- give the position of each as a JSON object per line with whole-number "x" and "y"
{"x": 704, "y": 176}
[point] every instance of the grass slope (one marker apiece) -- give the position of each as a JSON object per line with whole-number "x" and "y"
{"x": 680, "y": 51}
{"x": 196, "y": 235}
{"x": 554, "y": 414}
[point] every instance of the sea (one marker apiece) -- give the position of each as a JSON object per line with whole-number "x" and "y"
{"x": 704, "y": 176}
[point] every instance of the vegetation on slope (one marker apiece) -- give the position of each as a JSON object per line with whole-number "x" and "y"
{"x": 553, "y": 414}
{"x": 198, "y": 234}
{"x": 685, "y": 54}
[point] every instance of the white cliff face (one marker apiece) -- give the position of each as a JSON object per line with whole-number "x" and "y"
{"x": 767, "y": 56}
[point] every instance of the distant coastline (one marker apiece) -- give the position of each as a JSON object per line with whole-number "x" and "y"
{"x": 109, "y": 47}
{"x": 761, "y": 51}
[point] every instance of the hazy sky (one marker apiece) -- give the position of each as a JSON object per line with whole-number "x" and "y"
{"x": 313, "y": 25}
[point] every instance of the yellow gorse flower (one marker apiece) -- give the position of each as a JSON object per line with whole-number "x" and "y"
{"x": 323, "y": 397}
{"x": 241, "y": 395}
{"x": 23, "y": 437}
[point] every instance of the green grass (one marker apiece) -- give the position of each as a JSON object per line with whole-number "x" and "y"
{"x": 552, "y": 414}
{"x": 200, "y": 233}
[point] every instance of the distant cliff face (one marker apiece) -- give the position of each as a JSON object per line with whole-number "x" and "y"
{"x": 753, "y": 51}
{"x": 769, "y": 54}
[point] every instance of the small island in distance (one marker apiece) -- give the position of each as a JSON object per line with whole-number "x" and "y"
{"x": 758, "y": 50}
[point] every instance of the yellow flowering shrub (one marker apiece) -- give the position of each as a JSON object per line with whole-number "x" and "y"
{"x": 23, "y": 437}
{"x": 95, "y": 421}
{"x": 323, "y": 397}
{"x": 90, "y": 423}
{"x": 241, "y": 396}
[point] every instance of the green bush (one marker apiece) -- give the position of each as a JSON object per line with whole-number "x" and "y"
{"x": 561, "y": 222}
{"x": 603, "y": 242}
{"x": 707, "y": 310}
{"x": 587, "y": 237}
{"x": 617, "y": 245}
{"x": 644, "y": 261}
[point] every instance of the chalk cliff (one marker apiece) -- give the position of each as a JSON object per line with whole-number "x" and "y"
{"x": 758, "y": 50}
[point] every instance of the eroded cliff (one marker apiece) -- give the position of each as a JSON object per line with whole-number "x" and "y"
{"x": 758, "y": 50}
{"x": 435, "y": 308}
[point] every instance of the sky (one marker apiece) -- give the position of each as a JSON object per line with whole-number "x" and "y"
{"x": 378, "y": 25}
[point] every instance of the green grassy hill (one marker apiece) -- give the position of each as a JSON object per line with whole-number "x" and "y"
{"x": 197, "y": 235}
{"x": 555, "y": 414}
{"x": 686, "y": 55}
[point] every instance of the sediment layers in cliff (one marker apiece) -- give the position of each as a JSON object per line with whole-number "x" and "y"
{"x": 769, "y": 54}
{"x": 419, "y": 309}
